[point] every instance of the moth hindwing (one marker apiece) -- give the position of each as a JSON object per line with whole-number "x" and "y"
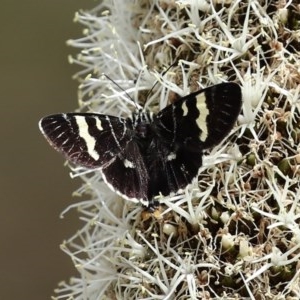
{"x": 146, "y": 155}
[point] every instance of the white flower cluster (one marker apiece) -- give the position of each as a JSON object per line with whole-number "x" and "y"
{"x": 235, "y": 233}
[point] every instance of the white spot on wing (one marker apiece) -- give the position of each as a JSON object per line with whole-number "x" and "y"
{"x": 201, "y": 120}
{"x": 84, "y": 134}
{"x": 99, "y": 124}
{"x": 128, "y": 164}
{"x": 185, "y": 109}
{"x": 171, "y": 156}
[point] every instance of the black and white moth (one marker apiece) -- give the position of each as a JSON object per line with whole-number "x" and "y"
{"x": 147, "y": 155}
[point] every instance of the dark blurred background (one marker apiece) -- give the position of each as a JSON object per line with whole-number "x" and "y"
{"x": 34, "y": 185}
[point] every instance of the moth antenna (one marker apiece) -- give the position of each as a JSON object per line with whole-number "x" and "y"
{"x": 137, "y": 80}
{"x": 156, "y": 82}
{"x": 128, "y": 96}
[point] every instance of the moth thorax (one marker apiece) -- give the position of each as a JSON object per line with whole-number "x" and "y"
{"x": 142, "y": 130}
{"x": 141, "y": 123}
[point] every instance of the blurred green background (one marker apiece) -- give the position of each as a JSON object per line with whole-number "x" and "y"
{"x": 35, "y": 187}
